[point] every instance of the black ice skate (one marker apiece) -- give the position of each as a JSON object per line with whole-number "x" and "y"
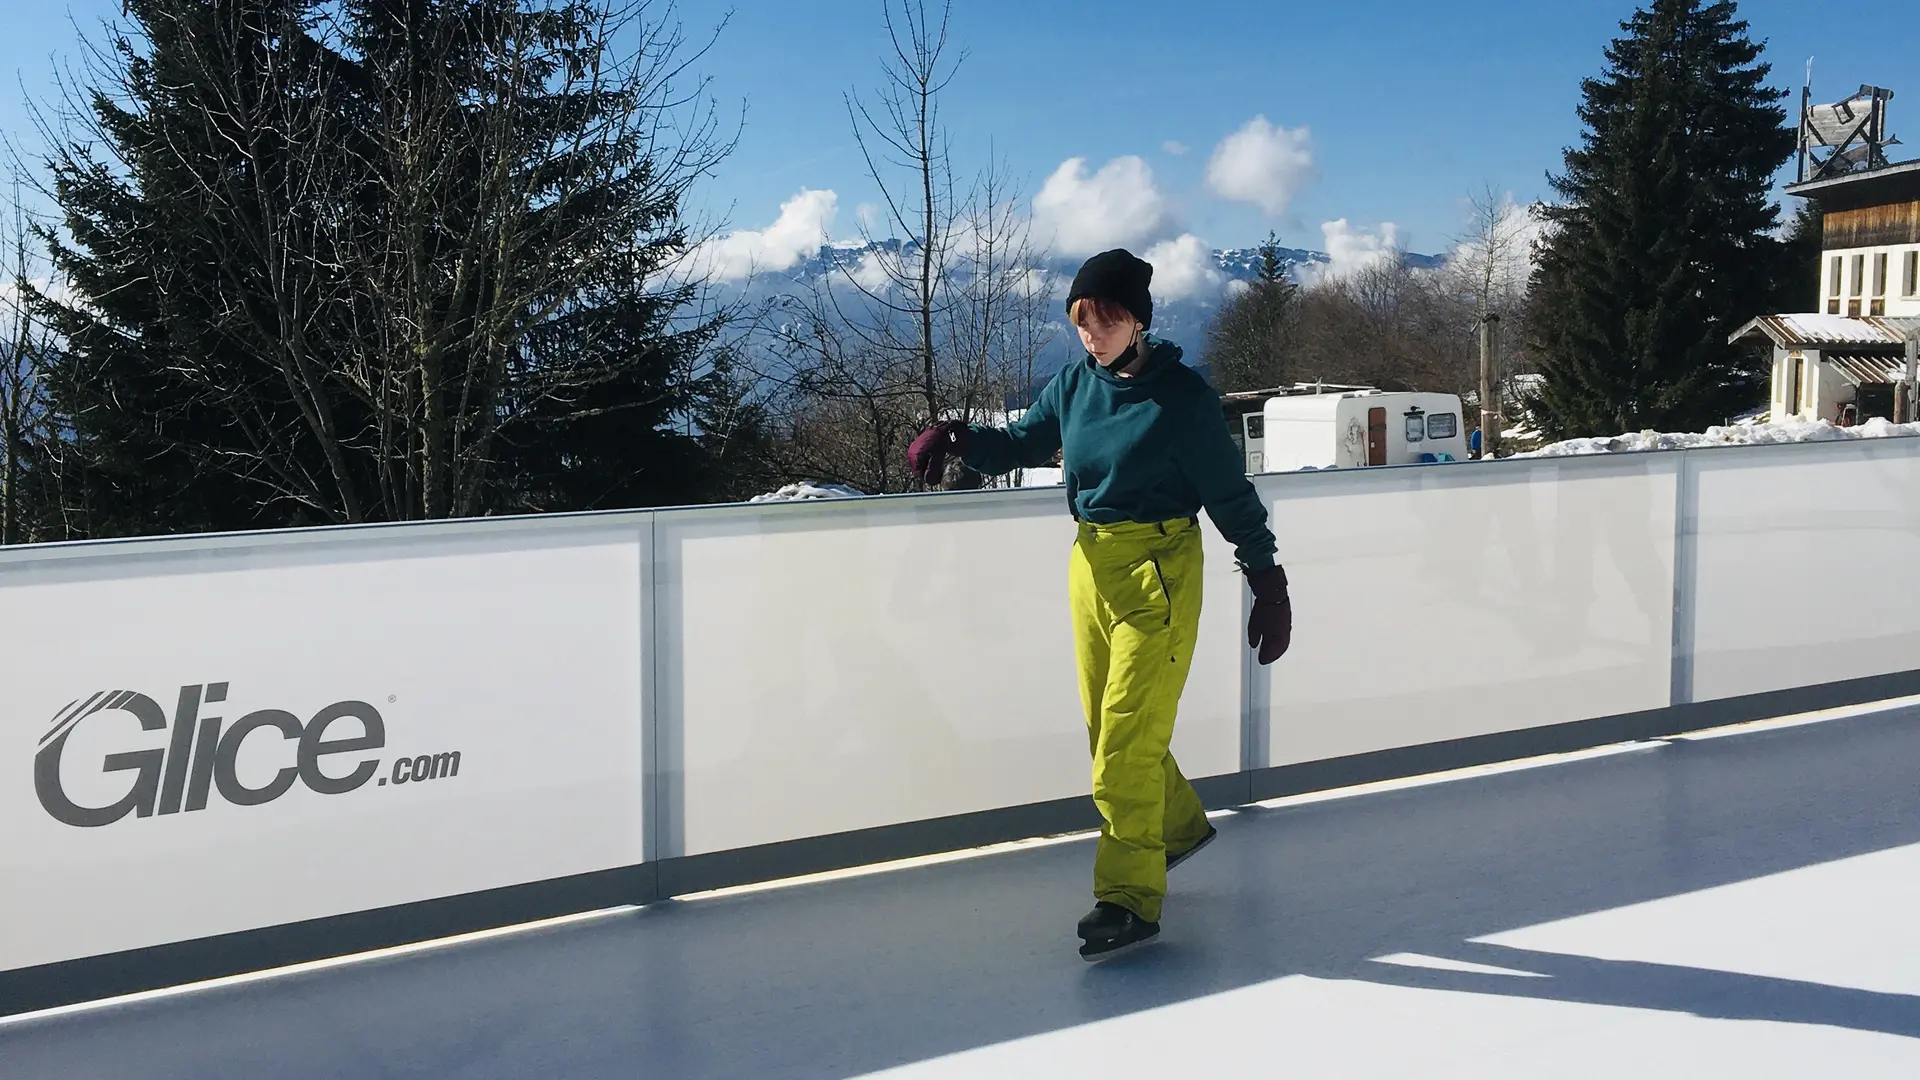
{"x": 1176, "y": 860}
{"x": 1109, "y": 930}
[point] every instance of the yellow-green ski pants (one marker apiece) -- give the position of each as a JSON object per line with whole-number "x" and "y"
{"x": 1135, "y": 593}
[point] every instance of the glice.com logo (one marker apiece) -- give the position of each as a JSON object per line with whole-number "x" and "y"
{"x": 199, "y": 757}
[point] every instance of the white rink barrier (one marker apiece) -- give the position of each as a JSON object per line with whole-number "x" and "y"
{"x": 225, "y": 751}
{"x": 1445, "y": 603}
{"x": 218, "y": 735}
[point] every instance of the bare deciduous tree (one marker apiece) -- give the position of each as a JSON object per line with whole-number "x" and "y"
{"x": 943, "y": 312}
{"x": 900, "y": 135}
{"x": 1384, "y": 324}
{"x": 1390, "y": 325}
{"x": 1491, "y": 257}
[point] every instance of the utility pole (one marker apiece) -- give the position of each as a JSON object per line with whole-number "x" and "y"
{"x": 1489, "y": 412}
{"x": 1903, "y": 399}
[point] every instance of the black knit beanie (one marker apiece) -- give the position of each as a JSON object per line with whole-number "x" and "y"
{"x": 1118, "y": 276}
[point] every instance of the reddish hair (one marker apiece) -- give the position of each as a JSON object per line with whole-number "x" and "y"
{"x": 1101, "y": 308}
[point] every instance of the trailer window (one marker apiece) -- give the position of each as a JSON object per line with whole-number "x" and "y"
{"x": 1443, "y": 425}
{"x": 1416, "y": 428}
{"x": 1256, "y": 426}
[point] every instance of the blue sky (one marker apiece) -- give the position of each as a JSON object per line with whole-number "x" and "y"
{"x": 1406, "y": 106}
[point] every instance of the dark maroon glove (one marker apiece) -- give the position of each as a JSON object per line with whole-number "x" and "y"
{"x": 1270, "y": 627}
{"x": 927, "y": 457}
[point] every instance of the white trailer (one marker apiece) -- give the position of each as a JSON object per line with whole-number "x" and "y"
{"x": 1352, "y": 429}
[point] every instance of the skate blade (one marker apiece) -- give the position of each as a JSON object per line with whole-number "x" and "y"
{"x": 1194, "y": 850}
{"x": 1095, "y": 958}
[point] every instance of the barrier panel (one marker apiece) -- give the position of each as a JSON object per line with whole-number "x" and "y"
{"x": 227, "y": 752}
{"x": 828, "y": 668}
{"x": 1438, "y": 604}
{"x": 220, "y": 734}
{"x": 1808, "y": 565}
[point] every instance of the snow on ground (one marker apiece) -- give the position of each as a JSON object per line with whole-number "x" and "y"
{"x": 807, "y": 489}
{"x": 811, "y": 489}
{"x": 1745, "y": 431}
{"x": 1732, "y": 435}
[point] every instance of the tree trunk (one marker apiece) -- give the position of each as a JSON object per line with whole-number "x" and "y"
{"x": 10, "y": 479}
{"x": 435, "y": 467}
{"x": 926, "y": 266}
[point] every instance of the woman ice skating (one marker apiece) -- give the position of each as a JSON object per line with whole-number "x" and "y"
{"x": 1145, "y": 449}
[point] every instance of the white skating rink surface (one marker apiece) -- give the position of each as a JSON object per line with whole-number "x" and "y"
{"x": 1741, "y": 906}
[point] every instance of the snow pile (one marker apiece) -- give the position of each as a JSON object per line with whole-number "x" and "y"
{"x": 1733, "y": 435}
{"x": 807, "y": 489}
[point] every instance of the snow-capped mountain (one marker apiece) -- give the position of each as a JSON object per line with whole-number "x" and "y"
{"x": 1236, "y": 264}
{"x": 1183, "y": 318}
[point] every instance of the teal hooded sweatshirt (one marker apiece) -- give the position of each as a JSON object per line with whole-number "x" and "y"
{"x": 1152, "y": 447}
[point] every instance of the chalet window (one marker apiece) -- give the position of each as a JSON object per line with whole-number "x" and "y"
{"x": 1913, "y": 273}
{"x": 1880, "y": 274}
{"x": 1834, "y": 274}
{"x": 1793, "y": 402}
{"x": 1859, "y": 276}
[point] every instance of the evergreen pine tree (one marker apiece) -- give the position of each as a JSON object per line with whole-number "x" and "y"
{"x": 377, "y": 260}
{"x": 1272, "y": 270}
{"x": 1797, "y": 276}
{"x": 1247, "y": 344}
{"x": 1662, "y": 244}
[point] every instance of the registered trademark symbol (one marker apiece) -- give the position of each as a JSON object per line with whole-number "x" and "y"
{"x": 391, "y": 699}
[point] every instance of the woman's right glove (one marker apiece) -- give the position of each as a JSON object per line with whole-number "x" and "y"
{"x": 1270, "y": 627}
{"x": 927, "y": 457}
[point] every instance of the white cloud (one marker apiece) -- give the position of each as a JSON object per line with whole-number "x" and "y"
{"x": 1118, "y": 206}
{"x": 1184, "y": 268}
{"x": 1174, "y": 147}
{"x": 1262, "y": 164}
{"x": 803, "y": 226}
{"x": 1351, "y": 250}
{"x": 1034, "y": 283}
{"x": 878, "y": 270}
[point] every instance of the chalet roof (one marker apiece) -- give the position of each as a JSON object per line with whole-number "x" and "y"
{"x": 1815, "y": 331}
{"x": 1868, "y": 187}
{"x": 1868, "y": 369}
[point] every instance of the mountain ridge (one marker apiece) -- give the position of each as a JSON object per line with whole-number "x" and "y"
{"x": 1184, "y": 318}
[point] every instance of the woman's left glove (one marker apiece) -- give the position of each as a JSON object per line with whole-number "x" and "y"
{"x": 927, "y": 457}
{"x": 1270, "y": 627}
